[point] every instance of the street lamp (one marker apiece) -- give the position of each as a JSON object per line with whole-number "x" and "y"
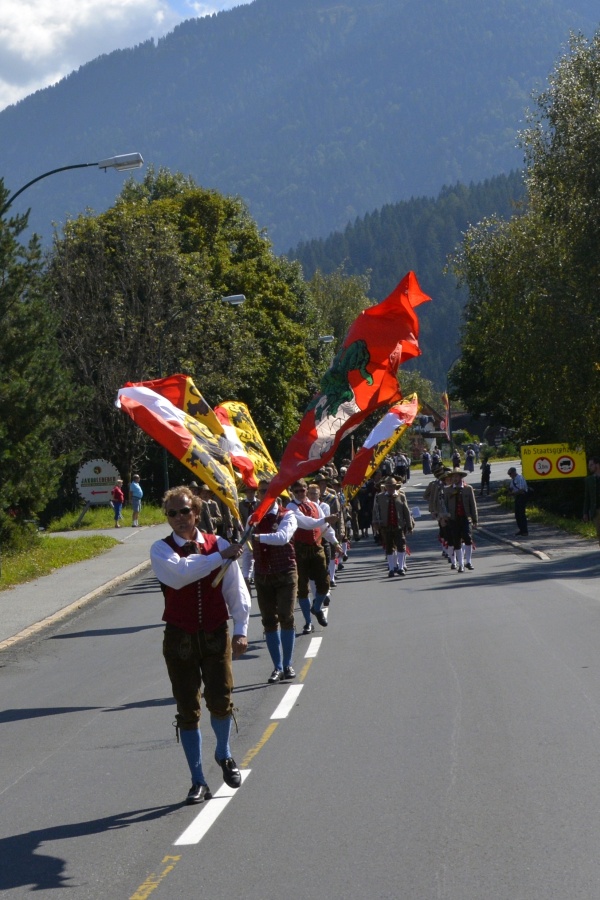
{"x": 122, "y": 163}
{"x": 326, "y": 338}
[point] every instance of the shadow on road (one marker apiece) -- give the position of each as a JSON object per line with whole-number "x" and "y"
{"x": 23, "y": 865}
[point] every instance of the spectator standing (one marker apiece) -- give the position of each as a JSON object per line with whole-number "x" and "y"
{"x": 518, "y": 488}
{"x": 117, "y": 498}
{"x": 486, "y": 471}
{"x": 135, "y": 499}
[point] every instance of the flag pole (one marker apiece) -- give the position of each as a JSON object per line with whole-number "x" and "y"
{"x": 247, "y": 535}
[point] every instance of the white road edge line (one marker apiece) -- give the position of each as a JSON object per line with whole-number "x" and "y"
{"x": 290, "y": 697}
{"x": 209, "y": 814}
{"x": 313, "y": 648}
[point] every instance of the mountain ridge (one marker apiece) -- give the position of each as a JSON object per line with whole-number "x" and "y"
{"x": 313, "y": 112}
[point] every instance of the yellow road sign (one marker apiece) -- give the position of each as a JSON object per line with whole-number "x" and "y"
{"x": 547, "y": 461}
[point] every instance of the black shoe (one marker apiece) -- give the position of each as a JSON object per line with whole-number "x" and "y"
{"x": 288, "y": 672}
{"x": 198, "y": 793}
{"x": 469, "y": 566}
{"x": 275, "y": 676}
{"x": 327, "y": 599}
{"x": 231, "y": 773}
{"x": 308, "y": 628}
{"x": 453, "y": 566}
{"x": 345, "y": 557}
{"x": 340, "y": 567}
{"x": 401, "y": 571}
{"x": 391, "y": 573}
{"x": 319, "y": 616}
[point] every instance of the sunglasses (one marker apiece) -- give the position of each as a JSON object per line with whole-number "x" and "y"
{"x": 299, "y": 491}
{"x": 184, "y": 511}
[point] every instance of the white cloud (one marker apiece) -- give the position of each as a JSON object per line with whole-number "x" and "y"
{"x": 41, "y": 41}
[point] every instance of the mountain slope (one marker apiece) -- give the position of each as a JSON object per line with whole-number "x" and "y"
{"x": 313, "y": 111}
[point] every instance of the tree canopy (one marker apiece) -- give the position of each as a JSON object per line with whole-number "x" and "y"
{"x": 36, "y": 396}
{"x": 138, "y": 290}
{"x": 530, "y": 340}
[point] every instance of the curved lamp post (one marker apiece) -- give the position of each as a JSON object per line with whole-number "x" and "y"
{"x": 122, "y": 163}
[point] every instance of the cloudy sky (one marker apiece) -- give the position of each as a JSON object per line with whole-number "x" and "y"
{"x": 41, "y": 41}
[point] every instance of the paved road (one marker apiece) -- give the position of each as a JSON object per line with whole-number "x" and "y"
{"x": 443, "y": 744}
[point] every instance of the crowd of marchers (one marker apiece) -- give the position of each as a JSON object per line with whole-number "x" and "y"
{"x": 294, "y": 558}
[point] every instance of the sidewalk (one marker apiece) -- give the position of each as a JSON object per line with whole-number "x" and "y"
{"x": 28, "y": 608}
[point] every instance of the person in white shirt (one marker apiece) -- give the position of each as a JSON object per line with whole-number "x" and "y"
{"x": 197, "y": 647}
{"x": 276, "y": 583}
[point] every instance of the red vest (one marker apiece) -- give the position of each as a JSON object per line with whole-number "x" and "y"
{"x": 305, "y": 535}
{"x": 269, "y": 559}
{"x": 197, "y": 606}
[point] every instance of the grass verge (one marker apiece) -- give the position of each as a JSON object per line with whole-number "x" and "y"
{"x": 52, "y": 553}
{"x": 103, "y": 517}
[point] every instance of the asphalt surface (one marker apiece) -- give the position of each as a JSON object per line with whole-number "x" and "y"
{"x": 30, "y": 607}
{"x": 439, "y": 741}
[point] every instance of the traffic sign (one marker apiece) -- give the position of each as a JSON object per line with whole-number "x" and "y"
{"x": 552, "y": 461}
{"x": 542, "y": 466}
{"x": 95, "y": 481}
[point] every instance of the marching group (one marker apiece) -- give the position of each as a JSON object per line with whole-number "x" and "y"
{"x": 295, "y": 556}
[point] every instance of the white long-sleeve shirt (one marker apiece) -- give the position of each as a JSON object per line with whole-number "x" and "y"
{"x": 285, "y": 529}
{"x": 308, "y": 523}
{"x": 177, "y": 571}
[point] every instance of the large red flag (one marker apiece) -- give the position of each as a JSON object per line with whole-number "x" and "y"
{"x": 362, "y": 378}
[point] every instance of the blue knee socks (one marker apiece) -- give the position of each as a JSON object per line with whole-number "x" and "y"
{"x": 274, "y": 647}
{"x": 222, "y": 730}
{"x": 191, "y": 741}
{"x": 304, "y": 604}
{"x": 288, "y": 638}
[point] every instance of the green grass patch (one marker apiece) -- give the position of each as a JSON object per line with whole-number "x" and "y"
{"x": 52, "y": 553}
{"x": 98, "y": 517}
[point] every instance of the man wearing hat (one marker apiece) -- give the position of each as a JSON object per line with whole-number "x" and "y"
{"x": 392, "y": 515}
{"x": 462, "y": 513}
{"x": 434, "y": 494}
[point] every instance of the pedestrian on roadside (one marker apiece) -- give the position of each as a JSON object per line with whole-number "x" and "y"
{"x": 197, "y": 646}
{"x": 486, "y": 472}
{"x": 276, "y": 583}
{"x": 135, "y": 499}
{"x": 426, "y": 460}
{"x": 591, "y": 497}
{"x": 470, "y": 460}
{"x": 117, "y": 498}
{"x": 518, "y": 488}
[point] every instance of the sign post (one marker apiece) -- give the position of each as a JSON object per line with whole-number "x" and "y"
{"x": 94, "y": 482}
